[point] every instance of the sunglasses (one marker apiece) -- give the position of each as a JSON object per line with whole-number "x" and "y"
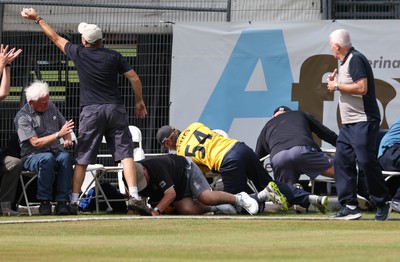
{"x": 168, "y": 137}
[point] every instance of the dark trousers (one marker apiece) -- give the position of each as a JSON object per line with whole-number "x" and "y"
{"x": 241, "y": 163}
{"x": 356, "y": 147}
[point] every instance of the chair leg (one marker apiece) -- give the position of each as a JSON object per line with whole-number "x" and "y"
{"x": 252, "y": 186}
{"x": 312, "y": 183}
{"x": 24, "y": 194}
{"x": 102, "y": 194}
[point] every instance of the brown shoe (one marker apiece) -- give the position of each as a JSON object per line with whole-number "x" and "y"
{"x": 139, "y": 205}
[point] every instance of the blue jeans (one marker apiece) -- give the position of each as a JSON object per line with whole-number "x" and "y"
{"x": 50, "y": 167}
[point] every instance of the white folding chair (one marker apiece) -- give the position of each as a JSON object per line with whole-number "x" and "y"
{"x": 95, "y": 177}
{"x": 138, "y": 154}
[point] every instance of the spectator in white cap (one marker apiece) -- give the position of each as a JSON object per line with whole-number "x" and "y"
{"x": 175, "y": 182}
{"x": 90, "y": 32}
{"x": 103, "y": 110}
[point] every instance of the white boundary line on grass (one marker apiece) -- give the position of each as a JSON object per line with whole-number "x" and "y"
{"x": 50, "y": 220}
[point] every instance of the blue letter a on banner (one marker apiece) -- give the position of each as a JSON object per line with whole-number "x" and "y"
{"x": 230, "y": 100}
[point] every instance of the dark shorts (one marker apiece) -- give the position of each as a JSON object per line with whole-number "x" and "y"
{"x": 196, "y": 182}
{"x": 289, "y": 164}
{"x": 106, "y": 120}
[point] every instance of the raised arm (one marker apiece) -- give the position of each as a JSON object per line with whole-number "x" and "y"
{"x": 5, "y": 69}
{"x": 32, "y": 14}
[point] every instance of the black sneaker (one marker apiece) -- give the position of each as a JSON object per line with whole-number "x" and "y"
{"x": 62, "y": 209}
{"x": 73, "y": 209}
{"x": 45, "y": 208}
{"x": 383, "y": 213}
{"x": 347, "y": 214}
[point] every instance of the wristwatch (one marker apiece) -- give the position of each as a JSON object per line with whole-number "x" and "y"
{"x": 157, "y": 210}
{"x": 336, "y": 87}
{"x": 38, "y": 19}
{"x": 57, "y": 135}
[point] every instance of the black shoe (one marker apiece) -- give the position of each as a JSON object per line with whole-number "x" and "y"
{"x": 73, "y": 209}
{"x": 382, "y": 213}
{"x": 347, "y": 214}
{"x": 62, "y": 209}
{"x": 45, "y": 208}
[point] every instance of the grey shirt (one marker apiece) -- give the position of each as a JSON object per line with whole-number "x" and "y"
{"x": 30, "y": 123}
{"x": 357, "y": 108}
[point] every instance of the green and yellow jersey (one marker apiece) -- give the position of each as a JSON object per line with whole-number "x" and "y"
{"x": 203, "y": 145}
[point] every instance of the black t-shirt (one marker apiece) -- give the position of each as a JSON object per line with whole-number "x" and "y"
{"x": 164, "y": 172}
{"x": 98, "y": 70}
{"x": 291, "y": 129}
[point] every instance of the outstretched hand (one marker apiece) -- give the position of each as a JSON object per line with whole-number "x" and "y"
{"x": 29, "y": 13}
{"x": 8, "y": 57}
{"x": 67, "y": 128}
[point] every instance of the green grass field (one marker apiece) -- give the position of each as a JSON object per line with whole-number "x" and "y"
{"x": 270, "y": 237}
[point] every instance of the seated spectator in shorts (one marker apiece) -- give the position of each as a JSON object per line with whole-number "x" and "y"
{"x": 287, "y": 137}
{"x": 10, "y": 166}
{"x": 40, "y": 125}
{"x": 10, "y": 170}
{"x": 171, "y": 180}
{"x": 389, "y": 156}
{"x": 237, "y": 163}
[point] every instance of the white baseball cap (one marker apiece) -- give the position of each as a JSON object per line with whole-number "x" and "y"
{"x": 90, "y": 32}
{"x": 141, "y": 179}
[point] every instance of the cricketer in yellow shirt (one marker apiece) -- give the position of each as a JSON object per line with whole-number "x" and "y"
{"x": 234, "y": 160}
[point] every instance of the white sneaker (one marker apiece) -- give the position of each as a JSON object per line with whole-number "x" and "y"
{"x": 395, "y": 205}
{"x": 246, "y": 202}
{"x": 225, "y": 209}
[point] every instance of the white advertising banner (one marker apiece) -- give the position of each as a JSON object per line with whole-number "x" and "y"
{"x": 231, "y": 76}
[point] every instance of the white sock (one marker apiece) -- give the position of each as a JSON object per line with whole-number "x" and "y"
{"x": 313, "y": 199}
{"x": 262, "y": 196}
{"x": 74, "y": 198}
{"x": 236, "y": 199}
{"x": 133, "y": 192}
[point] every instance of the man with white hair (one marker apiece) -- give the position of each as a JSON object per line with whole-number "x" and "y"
{"x": 103, "y": 110}
{"x": 40, "y": 125}
{"x": 356, "y": 148}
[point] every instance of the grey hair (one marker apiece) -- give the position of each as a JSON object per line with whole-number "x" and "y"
{"x": 36, "y": 90}
{"x": 341, "y": 37}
